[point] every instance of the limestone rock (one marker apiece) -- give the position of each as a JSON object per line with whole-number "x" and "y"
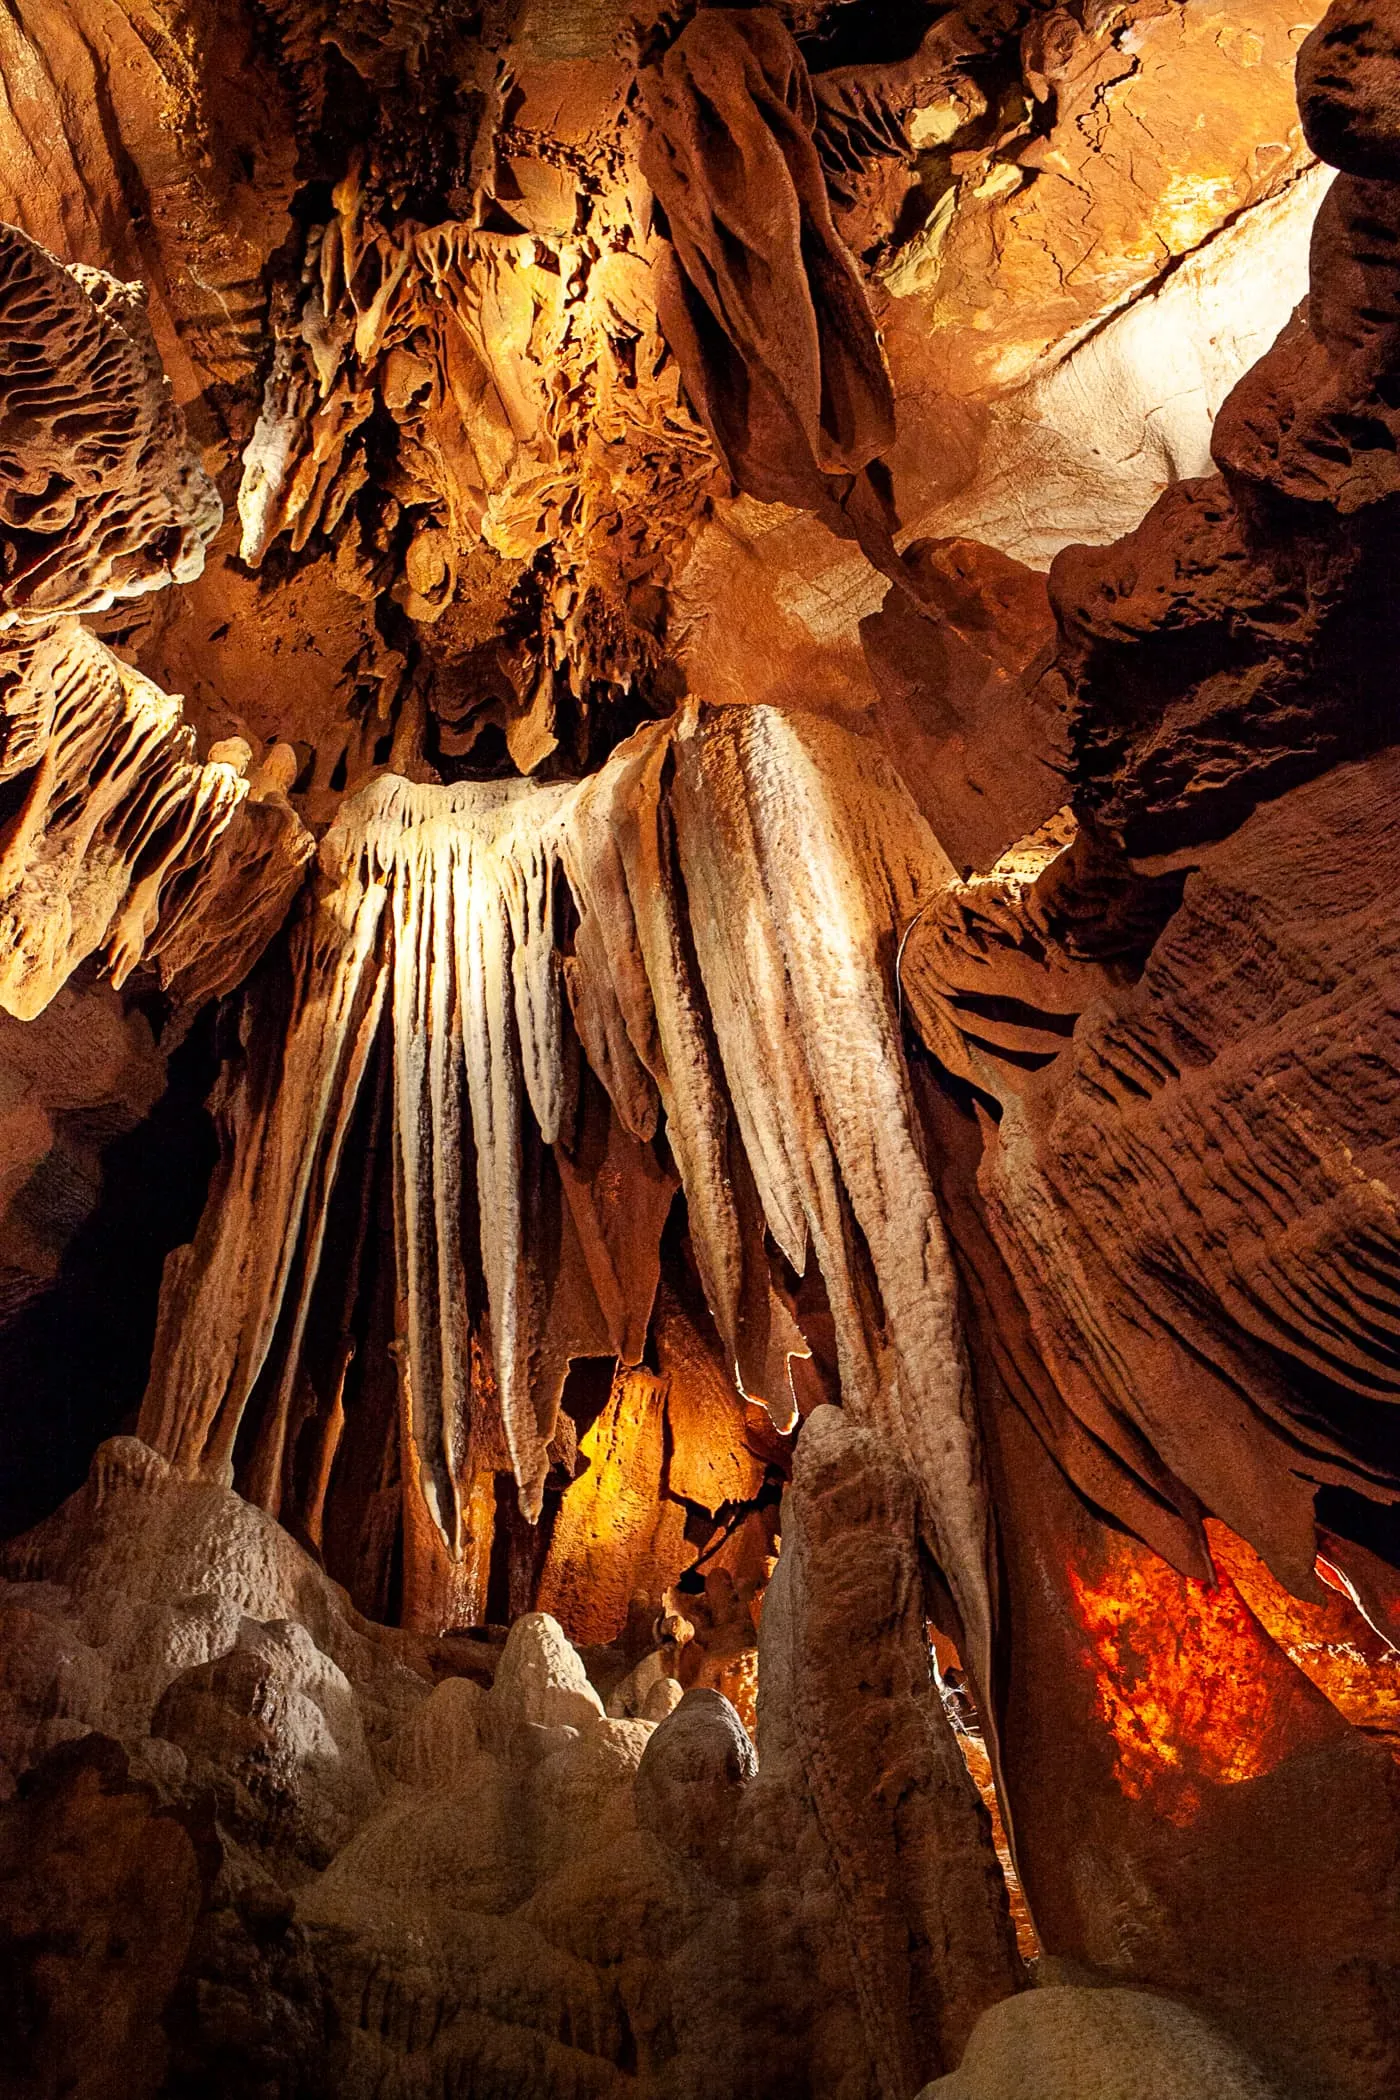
{"x": 436, "y": 927}
{"x": 71, "y": 1080}
{"x": 1017, "y": 1002}
{"x": 274, "y": 1724}
{"x": 1098, "y": 2044}
{"x": 1260, "y": 649}
{"x": 963, "y": 709}
{"x": 900, "y": 1879}
{"x": 1105, "y": 418}
{"x": 101, "y": 1888}
{"x": 400, "y": 1883}
{"x": 576, "y": 1145}
{"x": 1231, "y": 1058}
{"x": 165, "y": 861}
{"x": 163, "y": 157}
{"x": 142, "y": 1579}
{"x": 1140, "y": 1026}
{"x": 442, "y": 1735}
{"x": 115, "y": 826}
{"x": 766, "y": 312}
{"x": 690, "y": 1775}
{"x": 1347, "y": 89}
{"x": 540, "y": 1680}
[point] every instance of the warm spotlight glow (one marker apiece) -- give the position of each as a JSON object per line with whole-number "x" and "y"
{"x": 1187, "y": 1683}
{"x": 1332, "y": 1643}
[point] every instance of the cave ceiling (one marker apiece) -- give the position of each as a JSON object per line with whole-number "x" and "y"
{"x": 698, "y": 998}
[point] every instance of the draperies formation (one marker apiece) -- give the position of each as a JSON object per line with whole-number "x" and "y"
{"x": 758, "y": 297}
{"x": 705, "y": 929}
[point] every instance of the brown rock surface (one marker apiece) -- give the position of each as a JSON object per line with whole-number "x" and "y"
{"x": 103, "y": 498}
{"x": 1247, "y": 604}
{"x": 845, "y": 1608}
{"x": 101, "y": 1889}
{"x": 74, "y": 1078}
{"x": 153, "y": 141}
{"x": 1224, "y": 1064}
{"x": 1190, "y": 1050}
{"x": 1067, "y": 2043}
{"x": 115, "y": 836}
{"x": 1175, "y": 1780}
{"x": 962, "y": 709}
{"x": 121, "y": 840}
{"x": 1140, "y": 132}
{"x": 764, "y": 307}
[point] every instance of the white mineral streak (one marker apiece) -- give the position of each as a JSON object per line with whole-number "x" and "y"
{"x": 802, "y": 860}
{"x": 740, "y": 879}
{"x": 496, "y": 1090}
{"x": 431, "y": 921}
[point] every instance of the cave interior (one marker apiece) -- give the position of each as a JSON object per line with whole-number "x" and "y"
{"x": 699, "y": 1050}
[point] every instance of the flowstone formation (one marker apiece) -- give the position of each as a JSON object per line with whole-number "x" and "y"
{"x": 699, "y": 1064}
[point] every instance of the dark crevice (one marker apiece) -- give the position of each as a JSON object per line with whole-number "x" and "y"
{"x": 73, "y": 1368}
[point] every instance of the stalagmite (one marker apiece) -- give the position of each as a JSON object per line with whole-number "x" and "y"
{"x": 849, "y": 1561}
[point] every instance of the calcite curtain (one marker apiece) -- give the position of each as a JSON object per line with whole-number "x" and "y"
{"x": 710, "y": 925}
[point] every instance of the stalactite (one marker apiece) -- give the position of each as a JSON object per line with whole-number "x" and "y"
{"x": 734, "y": 883}
{"x": 117, "y": 839}
{"x": 759, "y": 298}
{"x": 453, "y": 338}
{"x": 122, "y": 841}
